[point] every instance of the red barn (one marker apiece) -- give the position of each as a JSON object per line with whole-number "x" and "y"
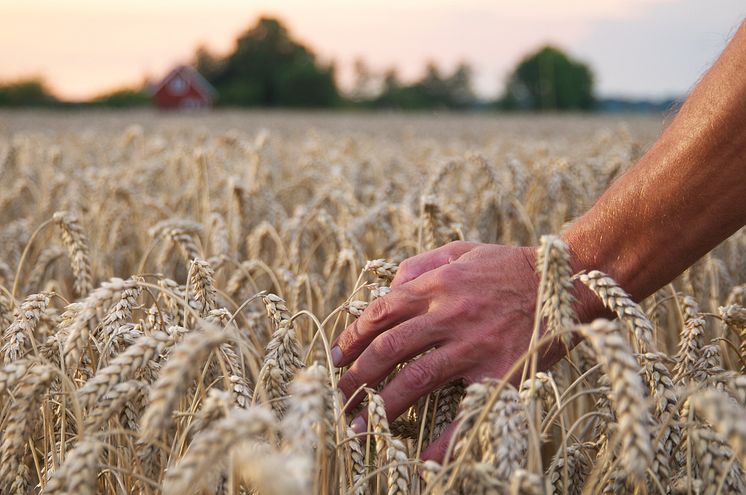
{"x": 184, "y": 88}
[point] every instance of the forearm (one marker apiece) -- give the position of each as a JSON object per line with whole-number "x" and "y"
{"x": 684, "y": 197}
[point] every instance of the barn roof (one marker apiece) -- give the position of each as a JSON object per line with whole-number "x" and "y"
{"x": 202, "y": 85}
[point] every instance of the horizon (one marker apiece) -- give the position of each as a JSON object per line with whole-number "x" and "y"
{"x": 639, "y": 49}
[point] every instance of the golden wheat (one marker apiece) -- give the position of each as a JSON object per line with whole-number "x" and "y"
{"x": 183, "y": 344}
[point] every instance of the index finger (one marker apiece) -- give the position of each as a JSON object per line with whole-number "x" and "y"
{"x": 384, "y": 313}
{"x": 413, "y": 267}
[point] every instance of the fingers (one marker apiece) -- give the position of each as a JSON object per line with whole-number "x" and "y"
{"x": 387, "y": 350}
{"x": 382, "y": 314}
{"x": 438, "y": 449}
{"x": 415, "y": 266}
{"x": 418, "y": 378}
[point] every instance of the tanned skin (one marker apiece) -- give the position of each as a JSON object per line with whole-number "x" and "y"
{"x": 472, "y": 305}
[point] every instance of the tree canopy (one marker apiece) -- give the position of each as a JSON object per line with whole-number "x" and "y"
{"x": 549, "y": 80}
{"x": 434, "y": 90}
{"x": 26, "y": 93}
{"x": 123, "y": 98}
{"x": 269, "y": 68}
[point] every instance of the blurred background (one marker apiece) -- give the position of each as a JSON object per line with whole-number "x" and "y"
{"x": 532, "y": 55}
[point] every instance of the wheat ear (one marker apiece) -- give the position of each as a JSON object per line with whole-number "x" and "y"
{"x": 621, "y": 303}
{"x": 628, "y": 395}
{"x": 503, "y": 436}
{"x": 726, "y": 417}
{"x": 112, "y": 403}
{"x": 357, "y": 462}
{"x": 553, "y": 266}
{"x": 304, "y": 422}
{"x": 123, "y": 367}
{"x": 77, "y": 249}
{"x": 690, "y": 350}
{"x": 398, "y": 470}
{"x": 201, "y": 285}
{"x": 382, "y": 269}
{"x": 282, "y": 356}
{"x": 180, "y": 369}
{"x": 239, "y": 426}
{"x": 20, "y": 418}
{"x": 11, "y": 373}
{"x": 569, "y": 468}
{"x": 17, "y": 335}
{"x": 77, "y": 475}
{"x": 121, "y": 312}
{"x": 80, "y": 328}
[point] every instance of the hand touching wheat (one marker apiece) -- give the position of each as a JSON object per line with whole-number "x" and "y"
{"x": 465, "y": 310}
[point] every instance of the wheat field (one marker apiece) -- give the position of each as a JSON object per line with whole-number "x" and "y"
{"x": 169, "y": 286}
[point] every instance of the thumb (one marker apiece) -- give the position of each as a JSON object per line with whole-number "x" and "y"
{"x": 415, "y": 266}
{"x": 437, "y": 450}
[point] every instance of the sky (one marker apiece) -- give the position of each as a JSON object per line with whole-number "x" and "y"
{"x": 637, "y": 48}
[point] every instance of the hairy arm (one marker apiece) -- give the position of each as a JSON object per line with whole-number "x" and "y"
{"x": 684, "y": 197}
{"x": 471, "y": 305}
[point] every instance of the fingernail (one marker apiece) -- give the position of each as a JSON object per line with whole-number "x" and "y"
{"x": 336, "y": 355}
{"x": 342, "y": 396}
{"x": 358, "y": 425}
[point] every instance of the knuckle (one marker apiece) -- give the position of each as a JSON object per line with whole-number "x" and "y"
{"x": 419, "y": 375}
{"x": 402, "y": 272}
{"x": 456, "y": 246}
{"x": 349, "y": 338}
{"x": 442, "y": 277}
{"x": 464, "y": 308}
{"x": 378, "y": 311}
{"x": 404, "y": 267}
{"x": 386, "y": 346}
{"x": 349, "y": 382}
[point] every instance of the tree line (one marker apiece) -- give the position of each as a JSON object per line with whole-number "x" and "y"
{"x": 269, "y": 68}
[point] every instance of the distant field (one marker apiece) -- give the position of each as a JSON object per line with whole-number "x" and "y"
{"x": 169, "y": 282}
{"x": 474, "y": 129}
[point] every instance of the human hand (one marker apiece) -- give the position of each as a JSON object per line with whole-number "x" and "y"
{"x": 470, "y": 304}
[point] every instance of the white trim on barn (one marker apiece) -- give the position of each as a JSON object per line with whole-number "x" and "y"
{"x": 190, "y": 74}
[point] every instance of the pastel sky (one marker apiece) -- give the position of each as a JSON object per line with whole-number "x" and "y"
{"x": 638, "y": 48}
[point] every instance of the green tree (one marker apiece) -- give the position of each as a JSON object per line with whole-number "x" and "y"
{"x": 26, "y": 93}
{"x": 459, "y": 85}
{"x": 121, "y": 98}
{"x": 269, "y": 68}
{"x": 206, "y": 63}
{"x": 365, "y": 86}
{"x": 433, "y": 90}
{"x": 549, "y": 80}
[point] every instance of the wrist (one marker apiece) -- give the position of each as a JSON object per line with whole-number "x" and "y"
{"x": 588, "y": 306}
